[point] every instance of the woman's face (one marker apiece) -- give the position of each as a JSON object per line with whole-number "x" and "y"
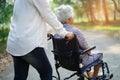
{"x": 70, "y": 20}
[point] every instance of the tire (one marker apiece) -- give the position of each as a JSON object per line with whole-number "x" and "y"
{"x": 81, "y": 78}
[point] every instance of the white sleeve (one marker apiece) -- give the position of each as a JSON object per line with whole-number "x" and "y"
{"x": 46, "y": 13}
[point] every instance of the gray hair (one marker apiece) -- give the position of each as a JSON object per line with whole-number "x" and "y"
{"x": 64, "y": 12}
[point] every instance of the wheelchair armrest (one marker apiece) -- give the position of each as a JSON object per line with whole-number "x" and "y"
{"x": 87, "y": 50}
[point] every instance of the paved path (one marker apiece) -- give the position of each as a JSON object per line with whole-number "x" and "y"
{"x": 110, "y": 47}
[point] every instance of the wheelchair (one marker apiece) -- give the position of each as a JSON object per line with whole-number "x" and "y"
{"x": 67, "y": 55}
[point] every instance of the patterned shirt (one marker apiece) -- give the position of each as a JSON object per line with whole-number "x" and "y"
{"x": 82, "y": 41}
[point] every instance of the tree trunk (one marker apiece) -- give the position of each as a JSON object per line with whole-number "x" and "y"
{"x": 115, "y": 5}
{"x": 115, "y": 15}
{"x": 88, "y": 16}
{"x": 105, "y": 11}
{"x": 91, "y": 13}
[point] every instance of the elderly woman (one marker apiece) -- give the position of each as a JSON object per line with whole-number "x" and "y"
{"x": 65, "y": 15}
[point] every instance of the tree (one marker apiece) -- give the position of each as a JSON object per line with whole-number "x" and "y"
{"x": 116, "y": 5}
{"x": 6, "y": 10}
{"x": 80, "y": 8}
{"x": 105, "y": 11}
{"x": 91, "y": 13}
{"x": 115, "y": 2}
{"x": 59, "y": 2}
{"x": 95, "y": 10}
{"x": 2, "y": 9}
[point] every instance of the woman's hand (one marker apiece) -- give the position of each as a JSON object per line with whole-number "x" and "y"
{"x": 69, "y": 36}
{"x": 49, "y": 36}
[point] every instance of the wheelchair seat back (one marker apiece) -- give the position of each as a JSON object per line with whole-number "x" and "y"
{"x": 66, "y": 53}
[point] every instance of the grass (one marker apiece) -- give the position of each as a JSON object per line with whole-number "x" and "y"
{"x": 112, "y": 30}
{"x": 89, "y": 26}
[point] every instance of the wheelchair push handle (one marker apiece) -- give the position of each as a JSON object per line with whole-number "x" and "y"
{"x": 49, "y": 36}
{"x": 89, "y": 49}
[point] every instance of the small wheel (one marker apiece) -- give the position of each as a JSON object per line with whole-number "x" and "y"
{"x": 81, "y": 78}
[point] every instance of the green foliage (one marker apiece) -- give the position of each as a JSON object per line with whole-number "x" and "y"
{"x": 6, "y": 9}
{"x": 8, "y": 13}
{"x": 3, "y": 43}
{"x": 2, "y": 6}
{"x": 59, "y": 2}
{"x": 3, "y": 33}
{"x": 5, "y": 13}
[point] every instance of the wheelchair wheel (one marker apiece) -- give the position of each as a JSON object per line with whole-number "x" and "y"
{"x": 81, "y": 78}
{"x": 106, "y": 77}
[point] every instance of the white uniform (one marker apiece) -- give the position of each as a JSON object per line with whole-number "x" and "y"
{"x": 28, "y": 28}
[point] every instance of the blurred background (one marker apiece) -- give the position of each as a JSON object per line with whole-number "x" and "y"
{"x": 90, "y": 15}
